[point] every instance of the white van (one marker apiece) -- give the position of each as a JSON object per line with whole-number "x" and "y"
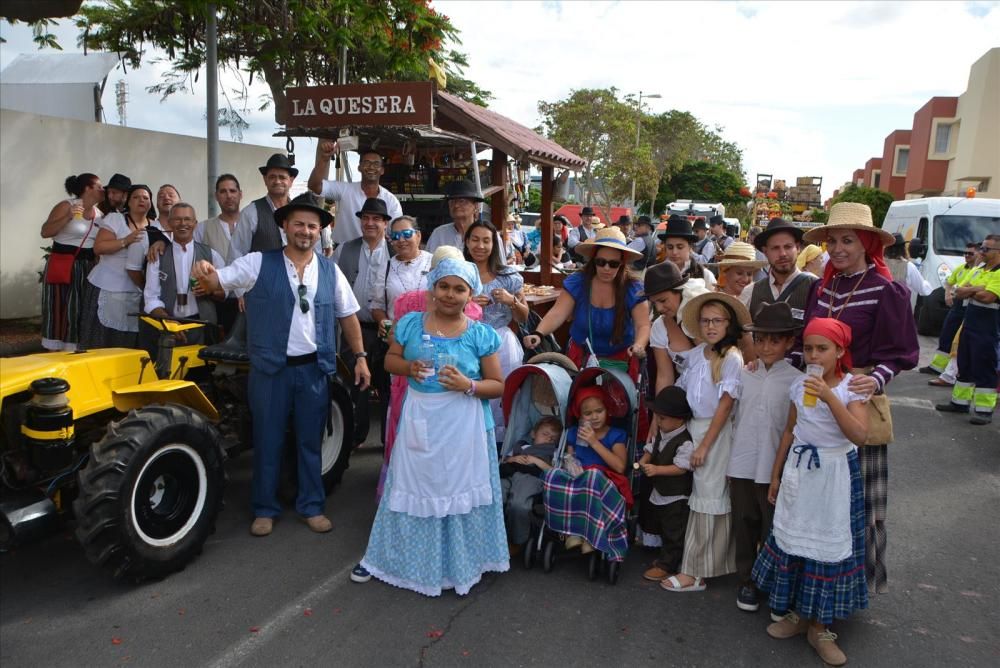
{"x": 945, "y": 225}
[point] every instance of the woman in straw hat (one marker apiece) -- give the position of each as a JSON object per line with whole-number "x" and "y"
{"x": 711, "y": 379}
{"x": 610, "y": 312}
{"x": 736, "y": 269}
{"x": 857, "y": 289}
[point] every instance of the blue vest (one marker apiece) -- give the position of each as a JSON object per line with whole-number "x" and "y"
{"x": 269, "y": 307}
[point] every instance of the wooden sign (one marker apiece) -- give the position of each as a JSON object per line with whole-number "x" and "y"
{"x": 397, "y": 103}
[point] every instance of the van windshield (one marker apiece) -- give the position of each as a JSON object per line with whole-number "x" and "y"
{"x": 952, "y": 233}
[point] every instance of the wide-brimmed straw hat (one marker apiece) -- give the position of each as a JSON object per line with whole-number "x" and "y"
{"x": 610, "y": 237}
{"x": 739, "y": 254}
{"x": 692, "y": 312}
{"x": 848, "y": 216}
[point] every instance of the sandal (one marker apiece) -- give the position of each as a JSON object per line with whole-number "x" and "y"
{"x": 673, "y": 584}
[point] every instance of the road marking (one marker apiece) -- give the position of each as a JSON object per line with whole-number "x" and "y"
{"x": 240, "y": 652}
{"x": 912, "y": 402}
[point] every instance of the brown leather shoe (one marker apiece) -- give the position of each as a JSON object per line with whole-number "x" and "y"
{"x": 319, "y": 523}
{"x": 656, "y": 574}
{"x": 262, "y": 526}
{"x": 825, "y": 644}
{"x": 789, "y": 627}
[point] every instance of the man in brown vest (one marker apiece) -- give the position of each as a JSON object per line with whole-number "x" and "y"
{"x": 781, "y": 242}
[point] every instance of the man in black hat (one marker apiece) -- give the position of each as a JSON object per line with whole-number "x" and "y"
{"x": 350, "y": 196}
{"x": 781, "y": 242}
{"x": 293, "y": 297}
{"x": 254, "y": 231}
{"x": 644, "y": 243}
{"x": 577, "y": 235}
{"x": 364, "y": 262}
{"x": 717, "y": 229}
{"x": 677, "y": 238}
{"x": 624, "y": 223}
{"x": 703, "y": 250}
{"x": 115, "y": 194}
{"x": 464, "y": 205}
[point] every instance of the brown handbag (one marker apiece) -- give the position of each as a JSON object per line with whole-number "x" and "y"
{"x": 879, "y": 416}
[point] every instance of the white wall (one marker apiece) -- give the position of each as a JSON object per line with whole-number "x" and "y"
{"x": 37, "y": 153}
{"x": 68, "y": 100}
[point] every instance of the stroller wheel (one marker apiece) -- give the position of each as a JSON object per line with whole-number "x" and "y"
{"x": 529, "y": 553}
{"x": 594, "y": 565}
{"x": 614, "y": 568}
{"x": 547, "y": 556}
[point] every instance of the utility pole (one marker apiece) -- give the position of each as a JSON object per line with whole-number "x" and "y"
{"x": 212, "y": 85}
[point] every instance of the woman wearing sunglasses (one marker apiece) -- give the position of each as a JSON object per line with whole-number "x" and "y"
{"x": 610, "y": 312}
{"x": 406, "y": 271}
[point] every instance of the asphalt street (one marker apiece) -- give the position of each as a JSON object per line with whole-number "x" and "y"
{"x": 286, "y": 600}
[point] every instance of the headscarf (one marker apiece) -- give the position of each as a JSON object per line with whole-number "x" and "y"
{"x": 835, "y": 331}
{"x": 451, "y": 267}
{"x": 590, "y": 392}
{"x": 874, "y": 251}
{"x": 808, "y": 254}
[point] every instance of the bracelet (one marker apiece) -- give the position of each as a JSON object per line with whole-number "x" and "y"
{"x": 471, "y": 392}
{"x": 539, "y": 334}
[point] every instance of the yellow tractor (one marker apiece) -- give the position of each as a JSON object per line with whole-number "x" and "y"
{"x": 134, "y": 449}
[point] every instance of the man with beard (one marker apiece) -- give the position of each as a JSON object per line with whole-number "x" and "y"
{"x": 257, "y": 229}
{"x": 350, "y": 197}
{"x": 115, "y": 194}
{"x": 293, "y": 298}
{"x": 217, "y": 234}
{"x": 780, "y": 242}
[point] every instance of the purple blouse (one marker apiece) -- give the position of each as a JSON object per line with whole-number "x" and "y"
{"x": 884, "y": 334}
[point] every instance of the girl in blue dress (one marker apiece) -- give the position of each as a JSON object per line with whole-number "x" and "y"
{"x": 440, "y": 521}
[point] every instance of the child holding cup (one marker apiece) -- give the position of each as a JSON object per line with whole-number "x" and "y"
{"x": 813, "y": 562}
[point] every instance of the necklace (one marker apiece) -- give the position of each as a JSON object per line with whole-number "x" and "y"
{"x": 408, "y": 286}
{"x": 448, "y": 334}
{"x": 843, "y": 307}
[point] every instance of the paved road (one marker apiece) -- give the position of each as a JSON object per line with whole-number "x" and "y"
{"x": 286, "y": 600}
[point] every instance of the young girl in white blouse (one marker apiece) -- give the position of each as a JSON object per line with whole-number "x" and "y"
{"x": 711, "y": 379}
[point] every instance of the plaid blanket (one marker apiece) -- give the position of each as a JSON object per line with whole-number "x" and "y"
{"x": 589, "y": 506}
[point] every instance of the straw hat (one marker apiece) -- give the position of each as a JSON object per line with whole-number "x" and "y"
{"x": 739, "y": 254}
{"x": 848, "y": 216}
{"x": 610, "y": 237}
{"x": 692, "y": 312}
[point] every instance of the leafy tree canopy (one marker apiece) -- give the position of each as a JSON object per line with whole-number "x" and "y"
{"x": 878, "y": 200}
{"x": 285, "y": 42}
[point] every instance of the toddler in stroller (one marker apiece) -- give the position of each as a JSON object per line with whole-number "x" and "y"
{"x": 521, "y": 478}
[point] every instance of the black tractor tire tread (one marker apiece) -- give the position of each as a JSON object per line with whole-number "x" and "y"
{"x": 102, "y": 504}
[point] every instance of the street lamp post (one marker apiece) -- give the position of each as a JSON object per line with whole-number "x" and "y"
{"x": 638, "y": 128}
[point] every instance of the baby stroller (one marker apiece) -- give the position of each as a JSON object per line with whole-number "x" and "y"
{"x": 531, "y": 392}
{"x": 622, "y": 398}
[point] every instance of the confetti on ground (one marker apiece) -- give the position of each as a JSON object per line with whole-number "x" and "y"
{"x": 254, "y": 629}
{"x": 116, "y": 641}
{"x": 435, "y": 633}
{"x": 307, "y": 612}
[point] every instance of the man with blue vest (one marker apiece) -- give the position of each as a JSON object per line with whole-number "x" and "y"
{"x": 293, "y": 297}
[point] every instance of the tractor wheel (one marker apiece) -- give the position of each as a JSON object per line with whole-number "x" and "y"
{"x": 337, "y": 435}
{"x": 150, "y": 493}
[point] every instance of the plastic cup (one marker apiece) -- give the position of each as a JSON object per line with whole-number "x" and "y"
{"x": 808, "y": 398}
{"x": 445, "y": 359}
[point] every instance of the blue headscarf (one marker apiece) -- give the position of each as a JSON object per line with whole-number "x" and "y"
{"x": 461, "y": 268}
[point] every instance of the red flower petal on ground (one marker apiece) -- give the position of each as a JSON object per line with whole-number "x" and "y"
{"x": 254, "y": 629}
{"x": 435, "y": 633}
{"x": 307, "y": 612}
{"x": 116, "y": 641}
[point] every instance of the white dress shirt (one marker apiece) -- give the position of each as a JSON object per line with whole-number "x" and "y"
{"x": 682, "y": 459}
{"x": 242, "y": 275}
{"x": 760, "y": 418}
{"x": 371, "y": 270}
{"x": 915, "y": 282}
{"x": 402, "y": 277}
{"x": 350, "y": 198}
{"x": 183, "y": 260}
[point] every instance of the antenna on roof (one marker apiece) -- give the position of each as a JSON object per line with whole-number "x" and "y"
{"x": 121, "y": 99}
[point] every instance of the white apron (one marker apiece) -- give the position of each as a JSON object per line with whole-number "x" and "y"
{"x": 710, "y": 494}
{"x": 440, "y": 463}
{"x": 812, "y": 518}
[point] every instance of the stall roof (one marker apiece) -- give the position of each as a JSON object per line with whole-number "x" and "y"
{"x": 502, "y": 133}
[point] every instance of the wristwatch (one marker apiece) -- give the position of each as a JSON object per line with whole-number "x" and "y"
{"x": 361, "y": 354}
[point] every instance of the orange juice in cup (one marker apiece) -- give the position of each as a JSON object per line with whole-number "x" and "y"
{"x": 808, "y": 398}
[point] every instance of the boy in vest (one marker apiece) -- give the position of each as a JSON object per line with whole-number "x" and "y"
{"x": 293, "y": 298}
{"x": 761, "y": 416}
{"x": 168, "y": 292}
{"x": 666, "y": 462}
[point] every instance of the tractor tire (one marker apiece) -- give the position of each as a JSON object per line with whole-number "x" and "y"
{"x": 337, "y": 438}
{"x": 151, "y": 491}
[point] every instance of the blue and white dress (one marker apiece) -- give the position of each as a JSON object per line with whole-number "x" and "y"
{"x": 440, "y": 522}
{"x": 501, "y": 318}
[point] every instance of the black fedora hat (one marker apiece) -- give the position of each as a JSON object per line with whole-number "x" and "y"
{"x": 463, "y": 190}
{"x": 662, "y": 277}
{"x": 279, "y": 161}
{"x": 776, "y": 317}
{"x": 374, "y": 206}
{"x": 678, "y": 226}
{"x": 587, "y": 211}
{"x": 623, "y": 220}
{"x": 119, "y": 182}
{"x": 672, "y": 401}
{"x": 716, "y": 220}
{"x": 700, "y": 224}
{"x": 898, "y": 240}
{"x": 774, "y": 226}
{"x": 644, "y": 220}
{"x": 304, "y": 202}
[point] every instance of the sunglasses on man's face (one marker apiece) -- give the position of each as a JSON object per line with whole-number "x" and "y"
{"x": 987, "y": 249}
{"x": 601, "y": 262}
{"x": 402, "y": 234}
{"x": 303, "y": 302}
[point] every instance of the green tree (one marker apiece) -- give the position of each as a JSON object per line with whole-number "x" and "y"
{"x": 285, "y": 42}
{"x": 706, "y": 181}
{"x": 877, "y": 200}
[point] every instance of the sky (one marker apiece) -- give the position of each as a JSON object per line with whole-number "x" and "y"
{"x": 805, "y": 88}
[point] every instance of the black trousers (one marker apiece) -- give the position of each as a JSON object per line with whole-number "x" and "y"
{"x": 670, "y": 523}
{"x": 752, "y": 516}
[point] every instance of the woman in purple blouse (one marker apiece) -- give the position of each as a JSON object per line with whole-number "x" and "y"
{"x": 857, "y": 289}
